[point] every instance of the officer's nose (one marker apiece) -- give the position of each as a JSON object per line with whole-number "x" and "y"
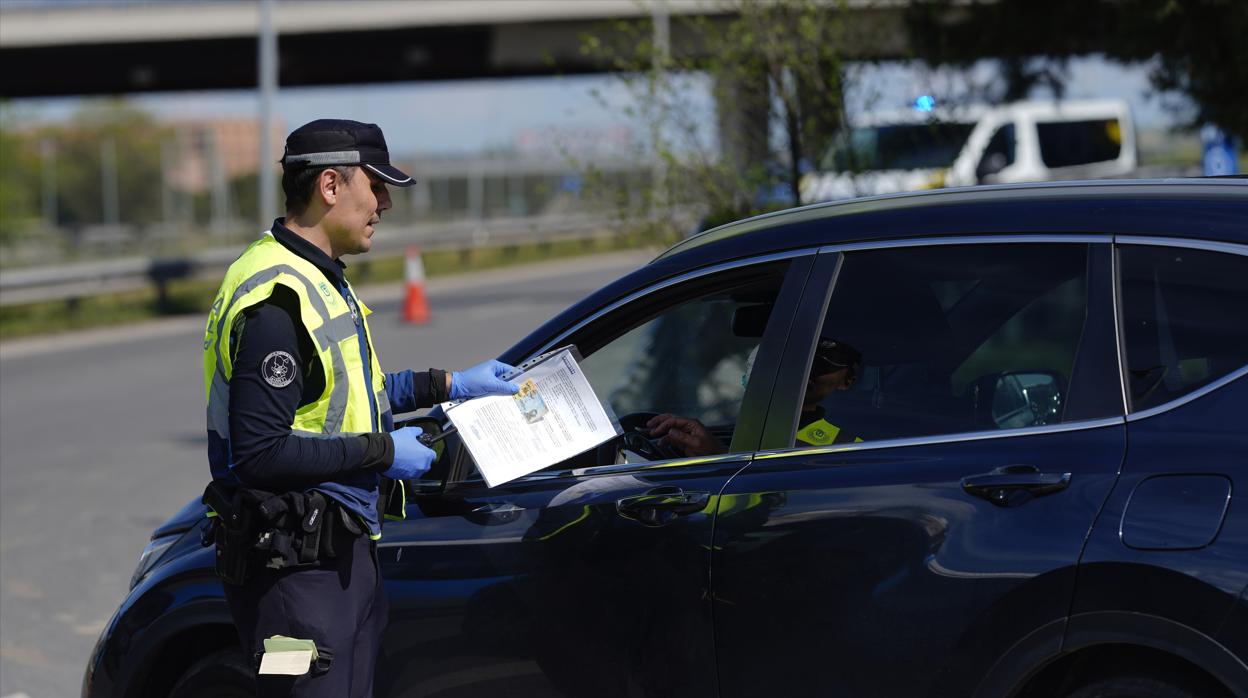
{"x": 383, "y": 199}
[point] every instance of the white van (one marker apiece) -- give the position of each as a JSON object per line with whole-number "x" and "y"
{"x": 1019, "y": 142}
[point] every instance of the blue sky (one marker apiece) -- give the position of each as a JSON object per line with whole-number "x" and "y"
{"x": 469, "y": 116}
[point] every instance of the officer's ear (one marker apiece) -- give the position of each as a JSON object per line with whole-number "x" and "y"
{"x": 328, "y": 184}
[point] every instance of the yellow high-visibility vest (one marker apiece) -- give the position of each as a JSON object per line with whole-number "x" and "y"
{"x": 821, "y": 432}
{"x": 344, "y": 406}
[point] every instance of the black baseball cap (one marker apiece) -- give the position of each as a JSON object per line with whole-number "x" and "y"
{"x": 327, "y": 142}
{"x": 832, "y": 355}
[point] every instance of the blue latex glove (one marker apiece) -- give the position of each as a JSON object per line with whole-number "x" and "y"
{"x": 482, "y": 379}
{"x": 411, "y": 458}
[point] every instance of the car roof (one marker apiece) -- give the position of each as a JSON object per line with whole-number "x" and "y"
{"x": 1208, "y": 209}
{"x": 971, "y": 113}
{"x": 1204, "y": 208}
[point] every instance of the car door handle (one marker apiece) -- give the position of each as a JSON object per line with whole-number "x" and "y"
{"x": 661, "y": 505}
{"x": 997, "y": 485}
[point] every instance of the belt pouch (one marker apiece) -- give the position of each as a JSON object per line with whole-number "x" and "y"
{"x": 282, "y": 550}
{"x": 311, "y": 526}
{"x": 330, "y": 529}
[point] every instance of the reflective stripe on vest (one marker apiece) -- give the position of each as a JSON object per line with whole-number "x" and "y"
{"x": 821, "y": 433}
{"x": 345, "y": 405}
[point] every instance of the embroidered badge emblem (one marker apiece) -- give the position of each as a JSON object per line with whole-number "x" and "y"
{"x": 329, "y": 295}
{"x": 278, "y": 369}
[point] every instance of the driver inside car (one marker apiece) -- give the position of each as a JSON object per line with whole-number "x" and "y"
{"x": 835, "y": 367}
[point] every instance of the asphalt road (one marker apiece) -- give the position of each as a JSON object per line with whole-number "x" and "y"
{"x": 102, "y": 438}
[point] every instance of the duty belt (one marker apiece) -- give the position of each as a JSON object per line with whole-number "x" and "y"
{"x": 255, "y": 528}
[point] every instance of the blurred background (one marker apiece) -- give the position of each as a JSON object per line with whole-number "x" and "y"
{"x": 141, "y": 136}
{"x": 557, "y": 144}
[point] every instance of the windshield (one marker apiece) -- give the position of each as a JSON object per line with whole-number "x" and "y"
{"x": 898, "y": 147}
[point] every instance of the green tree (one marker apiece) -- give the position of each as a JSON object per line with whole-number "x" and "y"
{"x": 19, "y": 181}
{"x": 776, "y": 71}
{"x": 80, "y": 143}
{"x": 1198, "y": 46}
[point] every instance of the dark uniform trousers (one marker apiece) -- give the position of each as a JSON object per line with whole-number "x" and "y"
{"x": 340, "y": 605}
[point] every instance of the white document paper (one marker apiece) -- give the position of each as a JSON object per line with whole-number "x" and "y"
{"x": 555, "y": 416}
{"x": 290, "y": 663}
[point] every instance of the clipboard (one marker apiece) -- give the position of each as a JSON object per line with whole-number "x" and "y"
{"x": 542, "y": 358}
{"x": 556, "y": 415}
{"x": 576, "y": 354}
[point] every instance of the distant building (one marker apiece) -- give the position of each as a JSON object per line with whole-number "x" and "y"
{"x": 584, "y": 143}
{"x": 226, "y": 147}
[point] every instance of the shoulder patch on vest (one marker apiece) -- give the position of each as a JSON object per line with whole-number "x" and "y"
{"x": 278, "y": 369}
{"x": 329, "y": 295}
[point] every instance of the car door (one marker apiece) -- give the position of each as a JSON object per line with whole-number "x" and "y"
{"x": 1165, "y": 566}
{"x": 590, "y": 577}
{"x": 937, "y": 516}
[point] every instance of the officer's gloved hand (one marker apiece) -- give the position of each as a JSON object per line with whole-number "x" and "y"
{"x": 411, "y": 458}
{"x": 482, "y": 379}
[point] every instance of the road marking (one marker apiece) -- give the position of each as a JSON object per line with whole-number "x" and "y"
{"x": 16, "y": 695}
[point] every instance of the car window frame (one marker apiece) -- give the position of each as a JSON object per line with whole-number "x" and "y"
{"x": 782, "y": 418}
{"x": 1133, "y": 415}
{"x": 757, "y": 398}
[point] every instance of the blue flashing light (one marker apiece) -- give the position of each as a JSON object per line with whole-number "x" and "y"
{"x": 925, "y": 103}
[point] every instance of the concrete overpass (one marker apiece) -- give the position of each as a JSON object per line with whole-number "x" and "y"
{"x": 76, "y": 47}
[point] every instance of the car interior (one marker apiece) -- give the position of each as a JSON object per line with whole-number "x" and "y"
{"x": 684, "y": 350}
{"x": 1177, "y": 339}
{"x": 946, "y": 335}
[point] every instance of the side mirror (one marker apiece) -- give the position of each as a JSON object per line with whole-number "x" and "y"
{"x": 751, "y": 320}
{"x": 1026, "y": 399}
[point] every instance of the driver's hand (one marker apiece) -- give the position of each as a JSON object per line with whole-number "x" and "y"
{"x": 685, "y": 434}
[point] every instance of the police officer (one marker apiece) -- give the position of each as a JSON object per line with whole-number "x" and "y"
{"x": 835, "y": 367}
{"x": 300, "y": 426}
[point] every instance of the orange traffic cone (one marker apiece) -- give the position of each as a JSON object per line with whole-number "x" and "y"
{"x": 415, "y": 305}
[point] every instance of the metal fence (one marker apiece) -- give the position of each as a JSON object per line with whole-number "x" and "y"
{"x": 85, "y": 279}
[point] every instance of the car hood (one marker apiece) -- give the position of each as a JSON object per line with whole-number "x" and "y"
{"x": 184, "y": 520}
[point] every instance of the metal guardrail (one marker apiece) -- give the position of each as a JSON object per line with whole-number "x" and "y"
{"x": 86, "y": 279}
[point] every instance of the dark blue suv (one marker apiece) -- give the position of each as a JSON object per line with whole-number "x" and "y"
{"x": 1033, "y": 487}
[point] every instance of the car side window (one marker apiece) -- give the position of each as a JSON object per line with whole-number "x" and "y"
{"x": 1185, "y": 319}
{"x": 1070, "y": 143}
{"x": 691, "y": 358}
{"x": 998, "y": 154}
{"x": 946, "y": 339}
{"x": 686, "y": 349}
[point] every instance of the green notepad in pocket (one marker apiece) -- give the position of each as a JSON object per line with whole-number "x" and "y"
{"x": 287, "y": 655}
